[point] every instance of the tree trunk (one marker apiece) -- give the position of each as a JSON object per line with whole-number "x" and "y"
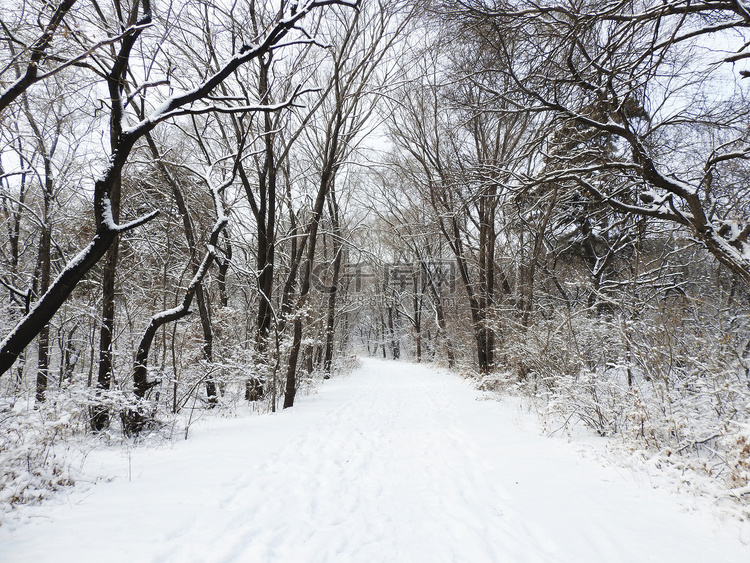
{"x": 42, "y": 276}
{"x": 224, "y": 264}
{"x": 417, "y": 318}
{"x": 338, "y": 254}
{"x": 443, "y": 337}
{"x": 208, "y": 342}
{"x": 99, "y": 413}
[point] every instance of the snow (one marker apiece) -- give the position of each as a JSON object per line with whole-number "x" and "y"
{"x": 396, "y": 462}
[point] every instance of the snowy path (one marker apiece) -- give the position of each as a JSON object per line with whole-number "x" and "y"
{"x": 396, "y": 462}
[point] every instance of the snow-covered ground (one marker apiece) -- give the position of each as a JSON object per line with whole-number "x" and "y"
{"x": 396, "y": 462}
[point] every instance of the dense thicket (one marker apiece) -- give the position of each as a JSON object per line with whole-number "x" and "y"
{"x": 550, "y": 196}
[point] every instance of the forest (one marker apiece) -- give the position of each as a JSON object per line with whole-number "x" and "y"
{"x": 216, "y": 205}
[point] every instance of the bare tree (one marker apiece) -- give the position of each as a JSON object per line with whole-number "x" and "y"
{"x": 195, "y": 99}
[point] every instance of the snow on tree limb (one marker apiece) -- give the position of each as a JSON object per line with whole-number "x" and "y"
{"x": 38, "y": 50}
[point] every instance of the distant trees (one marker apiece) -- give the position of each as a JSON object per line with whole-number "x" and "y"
{"x": 360, "y": 71}
{"x": 463, "y": 149}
